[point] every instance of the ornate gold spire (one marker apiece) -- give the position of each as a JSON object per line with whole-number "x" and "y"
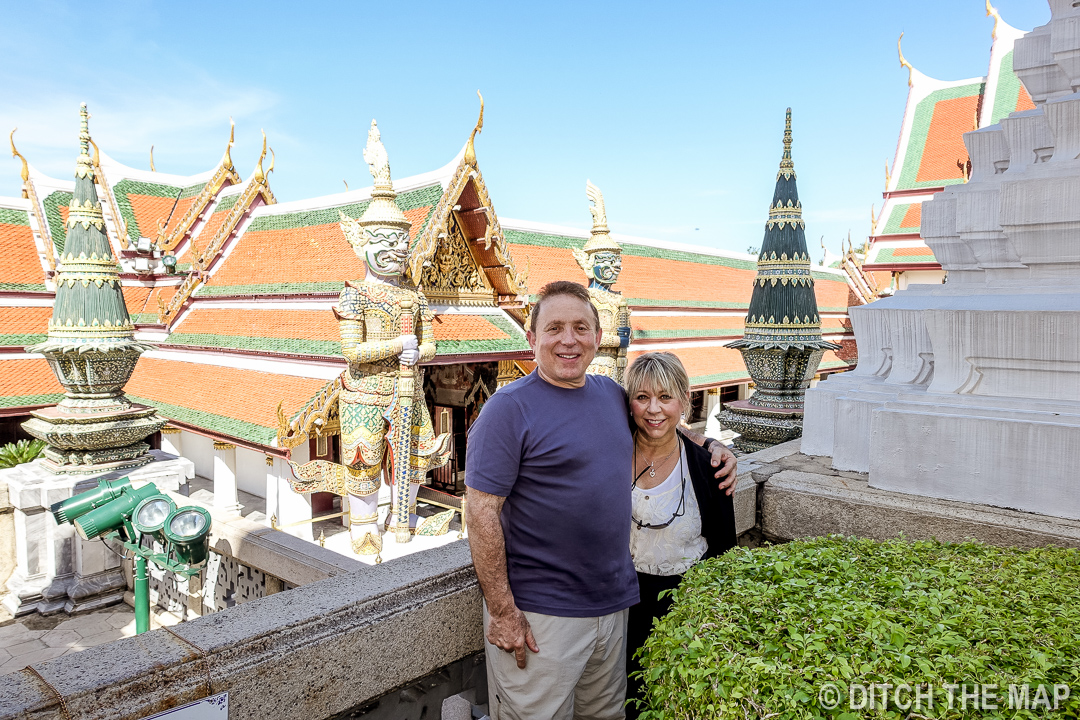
{"x": 24, "y": 173}
{"x": 84, "y": 166}
{"x": 226, "y": 161}
{"x": 601, "y": 239}
{"x": 787, "y": 167}
{"x": 152, "y": 168}
{"x": 470, "y": 151}
{"x": 903, "y": 60}
{"x": 260, "y": 175}
{"x": 383, "y": 209}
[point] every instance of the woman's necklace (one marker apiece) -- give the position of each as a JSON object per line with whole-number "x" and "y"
{"x": 652, "y": 466}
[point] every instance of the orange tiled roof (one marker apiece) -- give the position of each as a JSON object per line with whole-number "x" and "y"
{"x": 465, "y": 327}
{"x": 21, "y": 268}
{"x": 27, "y": 382}
{"x": 945, "y": 142}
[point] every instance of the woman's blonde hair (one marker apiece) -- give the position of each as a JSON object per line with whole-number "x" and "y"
{"x": 660, "y": 372}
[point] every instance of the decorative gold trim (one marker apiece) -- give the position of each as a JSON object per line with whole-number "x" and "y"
{"x": 152, "y": 168}
{"x": 904, "y": 62}
{"x": 24, "y": 173}
{"x": 470, "y": 150}
{"x": 30, "y": 193}
{"x": 223, "y": 445}
{"x": 170, "y": 430}
{"x": 992, "y": 11}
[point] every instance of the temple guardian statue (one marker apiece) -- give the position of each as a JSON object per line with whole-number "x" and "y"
{"x": 385, "y": 333}
{"x": 601, "y": 259}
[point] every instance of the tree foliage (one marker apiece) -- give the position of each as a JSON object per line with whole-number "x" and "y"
{"x": 758, "y": 633}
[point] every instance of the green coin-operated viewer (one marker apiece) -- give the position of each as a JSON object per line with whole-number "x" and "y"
{"x": 114, "y": 510}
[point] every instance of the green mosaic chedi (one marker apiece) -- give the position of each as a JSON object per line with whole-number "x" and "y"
{"x": 781, "y": 343}
{"x": 91, "y": 347}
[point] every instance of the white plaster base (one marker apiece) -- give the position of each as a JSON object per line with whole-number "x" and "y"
{"x": 1018, "y": 454}
{"x": 55, "y": 570}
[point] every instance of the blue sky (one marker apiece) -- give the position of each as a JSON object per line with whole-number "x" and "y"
{"x": 674, "y": 110}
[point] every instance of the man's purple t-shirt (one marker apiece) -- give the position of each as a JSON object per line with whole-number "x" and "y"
{"x": 562, "y": 459}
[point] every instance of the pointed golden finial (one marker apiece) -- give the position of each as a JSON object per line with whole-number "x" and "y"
{"x": 260, "y": 175}
{"x": 888, "y": 174}
{"x": 873, "y": 220}
{"x": 227, "y": 160}
{"x": 346, "y": 185}
{"x": 903, "y": 60}
{"x": 152, "y": 168}
{"x": 787, "y": 166}
{"x": 470, "y": 151}
{"x": 24, "y": 173}
{"x": 96, "y": 160}
{"x": 992, "y": 11}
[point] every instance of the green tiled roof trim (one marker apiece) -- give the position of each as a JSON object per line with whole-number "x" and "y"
{"x": 24, "y": 287}
{"x": 295, "y": 346}
{"x": 22, "y": 339}
{"x": 9, "y": 216}
{"x": 124, "y": 188}
{"x": 1008, "y": 90}
{"x": 522, "y": 237}
{"x": 297, "y": 288}
{"x": 924, "y": 113}
{"x": 144, "y": 318}
{"x": 226, "y": 203}
{"x": 896, "y": 216}
{"x": 888, "y": 255}
{"x": 710, "y": 332}
{"x": 719, "y": 377}
{"x": 825, "y": 364}
{"x": 654, "y": 302}
{"x": 23, "y": 400}
{"x": 409, "y": 200}
{"x": 210, "y": 421}
{"x": 822, "y": 309}
{"x": 52, "y": 204}
{"x": 515, "y": 342}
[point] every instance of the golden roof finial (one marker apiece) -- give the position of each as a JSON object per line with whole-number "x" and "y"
{"x": 152, "y": 168}
{"x": 346, "y": 185}
{"x": 787, "y": 166}
{"x": 903, "y": 60}
{"x": 888, "y": 174}
{"x": 227, "y": 160}
{"x": 470, "y": 151}
{"x": 96, "y": 160}
{"x": 383, "y": 209}
{"x": 992, "y": 11}
{"x": 873, "y": 220}
{"x": 24, "y": 173}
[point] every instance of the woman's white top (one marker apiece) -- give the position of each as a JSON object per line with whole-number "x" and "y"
{"x": 671, "y": 550}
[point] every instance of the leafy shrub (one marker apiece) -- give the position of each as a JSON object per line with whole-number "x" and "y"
{"x": 20, "y": 452}
{"x": 759, "y": 633}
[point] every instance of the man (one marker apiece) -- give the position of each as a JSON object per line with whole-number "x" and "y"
{"x": 548, "y": 475}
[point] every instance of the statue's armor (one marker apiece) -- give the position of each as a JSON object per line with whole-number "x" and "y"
{"x": 610, "y": 357}
{"x": 369, "y": 315}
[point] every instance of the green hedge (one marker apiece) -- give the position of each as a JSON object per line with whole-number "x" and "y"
{"x": 816, "y": 628}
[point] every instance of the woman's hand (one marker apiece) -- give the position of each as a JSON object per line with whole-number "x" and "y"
{"x": 727, "y": 464}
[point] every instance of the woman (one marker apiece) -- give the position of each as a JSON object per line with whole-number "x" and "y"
{"x": 679, "y": 514}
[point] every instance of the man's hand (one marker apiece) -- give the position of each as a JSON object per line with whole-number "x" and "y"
{"x": 510, "y": 631}
{"x": 725, "y": 460}
{"x": 410, "y": 352}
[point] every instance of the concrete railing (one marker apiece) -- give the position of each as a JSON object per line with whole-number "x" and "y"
{"x": 307, "y": 654}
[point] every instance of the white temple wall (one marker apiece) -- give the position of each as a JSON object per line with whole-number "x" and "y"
{"x": 919, "y": 277}
{"x": 199, "y": 449}
{"x": 251, "y": 471}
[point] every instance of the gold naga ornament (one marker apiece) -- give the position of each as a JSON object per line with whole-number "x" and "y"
{"x": 385, "y": 327}
{"x": 601, "y": 259}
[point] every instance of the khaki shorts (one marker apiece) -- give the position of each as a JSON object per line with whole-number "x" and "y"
{"x": 579, "y": 673}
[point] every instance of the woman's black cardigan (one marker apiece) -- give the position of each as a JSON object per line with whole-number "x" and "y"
{"x": 716, "y": 507}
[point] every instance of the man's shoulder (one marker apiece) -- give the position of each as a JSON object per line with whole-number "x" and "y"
{"x": 604, "y": 384}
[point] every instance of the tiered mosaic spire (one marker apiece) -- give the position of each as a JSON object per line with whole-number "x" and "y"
{"x": 781, "y": 343}
{"x": 91, "y": 347}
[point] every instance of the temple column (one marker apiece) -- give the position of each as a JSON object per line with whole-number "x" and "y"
{"x": 171, "y": 440}
{"x": 283, "y": 505}
{"x": 225, "y": 497}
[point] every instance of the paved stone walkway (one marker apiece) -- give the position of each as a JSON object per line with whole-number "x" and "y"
{"x": 36, "y": 638}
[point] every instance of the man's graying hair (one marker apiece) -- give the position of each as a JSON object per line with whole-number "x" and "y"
{"x": 563, "y": 287}
{"x": 659, "y": 372}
